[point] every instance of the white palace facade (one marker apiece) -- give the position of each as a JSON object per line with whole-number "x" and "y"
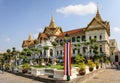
{"x": 97, "y": 28}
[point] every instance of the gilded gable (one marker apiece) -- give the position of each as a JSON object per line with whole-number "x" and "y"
{"x": 94, "y": 24}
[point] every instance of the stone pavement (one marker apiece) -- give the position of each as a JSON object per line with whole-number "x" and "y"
{"x": 98, "y": 76}
{"x": 107, "y": 76}
{"x": 12, "y": 78}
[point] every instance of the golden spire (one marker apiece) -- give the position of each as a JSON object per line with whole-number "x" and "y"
{"x": 52, "y": 23}
{"x": 30, "y": 37}
{"x": 98, "y": 16}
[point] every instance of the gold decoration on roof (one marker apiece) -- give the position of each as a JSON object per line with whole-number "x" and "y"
{"x": 30, "y": 37}
{"x": 98, "y": 16}
{"x": 52, "y": 23}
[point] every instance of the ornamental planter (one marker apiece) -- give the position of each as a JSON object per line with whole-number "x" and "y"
{"x": 97, "y": 67}
{"x": 90, "y": 69}
{"x": 82, "y": 72}
{"x": 24, "y": 71}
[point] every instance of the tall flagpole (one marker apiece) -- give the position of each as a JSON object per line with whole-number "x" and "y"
{"x": 67, "y": 60}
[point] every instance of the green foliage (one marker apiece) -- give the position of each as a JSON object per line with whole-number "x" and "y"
{"x": 46, "y": 47}
{"x": 82, "y": 66}
{"x": 75, "y": 65}
{"x": 91, "y": 64}
{"x": 36, "y": 41}
{"x": 26, "y": 66}
{"x": 78, "y": 39}
{"x": 87, "y": 43}
{"x": 97, "y": 63}
{"x": 59, "y": 67}
{"x": 8, "y": 51}
{"x": 42, "y": 60}
{"x": 62, "y": 43}
{"x": 76, "y": 46}
{"x": 107, "y": 61}
{"x": 7, "y": 66}
{"x": 54, "y": 43}
{"x": 25, "y": 60}
{"x": 79, "y": 58}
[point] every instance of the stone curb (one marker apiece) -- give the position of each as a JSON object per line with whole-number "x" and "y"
{"x": 39, "y": 78}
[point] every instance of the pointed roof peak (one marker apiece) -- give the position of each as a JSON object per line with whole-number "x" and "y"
{"x": 52, "y": 23}
{"x": 30, "y": 37}
{"x": 98, "y": 16}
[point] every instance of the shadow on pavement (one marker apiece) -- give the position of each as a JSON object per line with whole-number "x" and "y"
{"x": 44, "y": 78}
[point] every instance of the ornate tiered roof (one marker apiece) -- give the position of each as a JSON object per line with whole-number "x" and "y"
{"x": 52, "y": 29}
{"x": 29, "y": 42}
{"x": 98, "y": 23}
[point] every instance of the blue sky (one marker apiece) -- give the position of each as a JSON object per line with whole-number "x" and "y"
{"x": 19, "y": 18}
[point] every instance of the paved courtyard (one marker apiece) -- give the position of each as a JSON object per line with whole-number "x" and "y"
{"x": 11, "y": 78}
{"x": 107, "y": 76}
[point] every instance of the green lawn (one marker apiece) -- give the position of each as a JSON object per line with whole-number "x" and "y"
{"x": 59, "y": 67}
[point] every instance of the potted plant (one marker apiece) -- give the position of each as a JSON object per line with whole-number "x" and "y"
{"x": 97, "y": 64}
{"x": 7, "y": 66}
{"x": 82, "y": 67}
{"x": 25, "y": 67}
{"x": 91, "y": 65}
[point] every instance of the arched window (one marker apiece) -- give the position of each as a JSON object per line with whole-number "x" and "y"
{"x": 90, "y": 38}
{"x": 100, "y": 37}
{"x": 90, "y": 51}
{"x": 100, "y": 48}
{"x": 73, "y": 51}
{"x": 60, "y": 40}
{"x": 57, "y": 52}
{"x": 84, "y": 49}
{"x": 51, "y": 52}
{"x": 61, "y": 52}
{"x": 83, "y": 38}
{"x": 78, "y": 38}
{"x": 78, "y": 51}
{"x": 44, "y": 53}
{"x": 95, "y": 37}
{"x": 73, "y": 39}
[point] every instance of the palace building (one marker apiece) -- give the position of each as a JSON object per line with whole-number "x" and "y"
{"x": 97, "y": 28}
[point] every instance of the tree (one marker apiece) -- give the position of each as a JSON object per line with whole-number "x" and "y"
{"x": 8, "y": 51}
{"x": 46, "y": 47}
{"x": 95, "y": 51}
{"x": 54, "y": 43}
{"x": 36, "y": 42}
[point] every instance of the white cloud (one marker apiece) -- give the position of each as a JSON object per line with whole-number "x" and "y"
{"x": 116, "y": 29}
{"x": 79, "y": 9}
{"x": 7, "y": 39}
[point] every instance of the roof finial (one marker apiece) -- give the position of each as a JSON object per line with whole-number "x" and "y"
{"x": 97, "y": 8}
{"x": 52, "y": 23}
{"x": 98, "y": 14}
{"x": 30, "y": 37}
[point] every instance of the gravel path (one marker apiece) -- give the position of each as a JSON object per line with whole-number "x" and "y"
{"x": 11, "y": 78}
